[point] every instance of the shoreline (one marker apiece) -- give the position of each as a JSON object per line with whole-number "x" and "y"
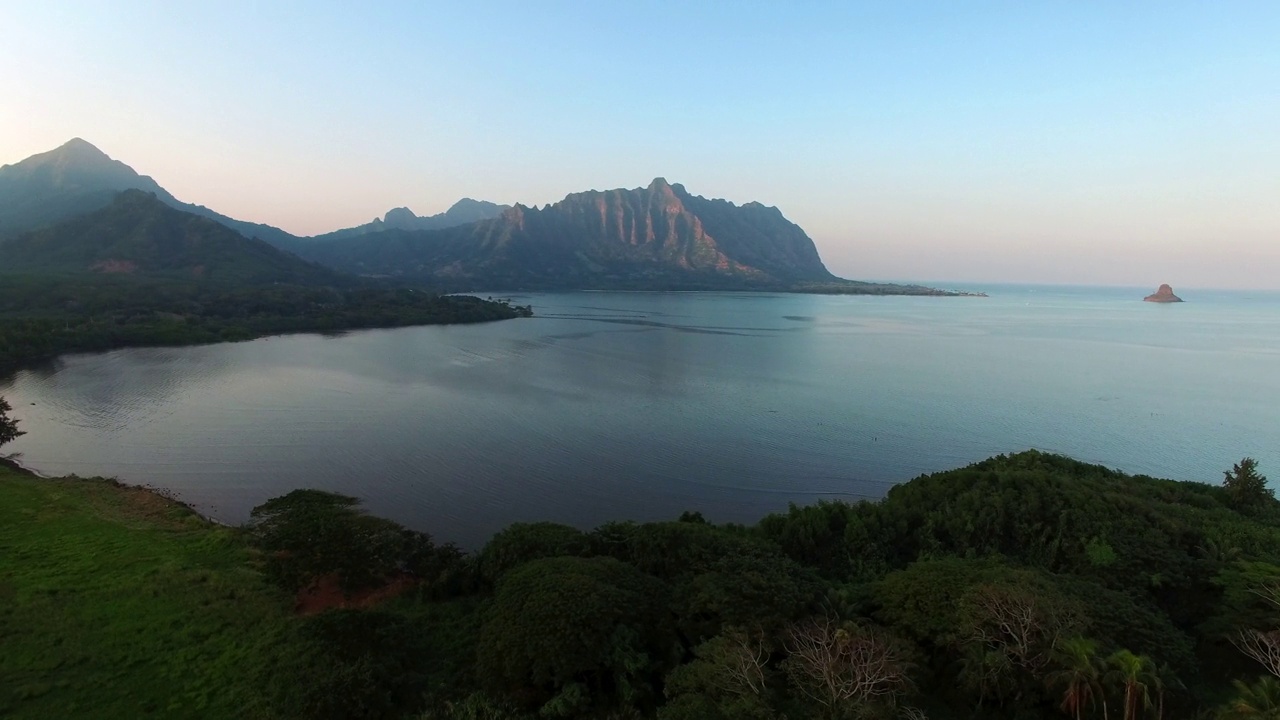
{"x": 15, "y": 466}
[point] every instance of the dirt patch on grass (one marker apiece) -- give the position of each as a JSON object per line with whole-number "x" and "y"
{"x": 326, "y": 594}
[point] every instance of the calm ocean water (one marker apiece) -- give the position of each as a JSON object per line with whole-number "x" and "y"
{"x": 641, "y": 405}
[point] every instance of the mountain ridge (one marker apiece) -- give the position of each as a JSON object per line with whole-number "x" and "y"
{"x": 138, "y": 234}
{"x": 660, "y": 235}
{"x": 462, "y": 212}
{"x": 77, "y": 177}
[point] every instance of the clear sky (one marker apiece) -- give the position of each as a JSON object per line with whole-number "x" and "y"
{"x": 1071, "y": 142}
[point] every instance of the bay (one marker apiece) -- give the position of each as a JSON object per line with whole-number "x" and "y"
{"x": 613, "y": 406}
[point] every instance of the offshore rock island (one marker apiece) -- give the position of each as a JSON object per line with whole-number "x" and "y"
{"x": 1163, "y": 295}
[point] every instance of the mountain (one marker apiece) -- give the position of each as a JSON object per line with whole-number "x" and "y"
{"x": 658, "y": 237}
{"x": 77, "y": 178}
{"x": 463, "y": 212}
{"x": 139, "y": 234}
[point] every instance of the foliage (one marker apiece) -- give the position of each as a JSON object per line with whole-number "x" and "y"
{"x": 1259, "y": 701}
{"x": 1246, "y": 488}
{"x": 1135, "y": 675}
{"x": 731, "y": 677}
{"x": 358, "y": 664}
{"x": 43, "y": 316}
{"x": 1022, "y": 587}
{"x": 570, "y": 634}
{"x": 1077, "y": 674}
{"x": 845, "y": 668}
{"x": 311, "y": 533}
{"x": 520, "y": 543}
{"x": 8, "y": 426}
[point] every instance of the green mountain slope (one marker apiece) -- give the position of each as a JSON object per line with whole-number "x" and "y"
{"x": 76, "y": 178}
{"x": 139, "y": 235}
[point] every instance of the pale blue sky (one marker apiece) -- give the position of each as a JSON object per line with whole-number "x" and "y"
{"x": 1074, "y": 142}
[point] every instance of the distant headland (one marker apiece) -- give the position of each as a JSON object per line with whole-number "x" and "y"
{"x": 1163, "y": 295}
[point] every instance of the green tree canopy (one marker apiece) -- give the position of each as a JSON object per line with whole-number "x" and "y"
{"x": 309, "y": 533}
{"x": 569, "y": 634}
{"x": 8, "y": 426}
{"x": 520, "y": 543}
{"x": 1247, "y": 488}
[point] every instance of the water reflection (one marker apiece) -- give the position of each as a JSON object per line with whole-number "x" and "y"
{"x": 609, "y": 406}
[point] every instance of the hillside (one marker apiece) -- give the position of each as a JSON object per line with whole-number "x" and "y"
{"x": 138, "y": 235}
{"x": 656, "y": 237}
{"x": 76, "y": 178}
{"x": 995, "y": 592}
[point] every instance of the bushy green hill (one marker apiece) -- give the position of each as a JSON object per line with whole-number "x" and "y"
{"x": 138, "y": 235}
{"x": 1022, "y": 587}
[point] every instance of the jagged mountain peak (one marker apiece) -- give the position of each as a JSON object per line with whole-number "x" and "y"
{"x": 657, "y": 236}
{"x": 401, "y": 217}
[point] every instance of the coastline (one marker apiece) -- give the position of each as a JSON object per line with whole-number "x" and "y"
{"x": 16, "y": 467}
{"x": 7, "y": 461}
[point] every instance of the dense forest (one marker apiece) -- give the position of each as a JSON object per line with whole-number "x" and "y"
{"x": 1025, "y": 586}
{"x": 43, "y": 316}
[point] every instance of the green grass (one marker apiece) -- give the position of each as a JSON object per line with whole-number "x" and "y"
{"x": 117, "y": 603}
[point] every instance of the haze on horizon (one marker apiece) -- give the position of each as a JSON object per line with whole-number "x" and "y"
{"x": 1076, "y": 143}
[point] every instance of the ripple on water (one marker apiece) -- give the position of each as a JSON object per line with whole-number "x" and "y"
{"x": 642, "y": 406}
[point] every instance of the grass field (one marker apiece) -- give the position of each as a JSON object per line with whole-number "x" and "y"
{"x": 116, "y": 603}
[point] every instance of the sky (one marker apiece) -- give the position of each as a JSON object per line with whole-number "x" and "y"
{"x": 1070, "y": 142}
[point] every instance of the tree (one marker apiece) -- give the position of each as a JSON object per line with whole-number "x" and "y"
{"x": 310, "y": 533}
{"x": 1078, "y": 674}
{"x": 349, "y": 665}
{"x": 729, "y": 679}
{"x": 1262, "y": 645}
{"x": 8, "y": 426}
{"x": 520, "y": 543}
{"x": 1260, "y": 701}
{"x": 1247, "y": 489}
{"x": 1134, "y": 673}
{"x": 1018, "y": 622}
{"x": 567, "y": 634}
{"x": 845, "y": 667}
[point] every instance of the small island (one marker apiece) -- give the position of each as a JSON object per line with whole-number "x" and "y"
{"x": 1163, "y": 295}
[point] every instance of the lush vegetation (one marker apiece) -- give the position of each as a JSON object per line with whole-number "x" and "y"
{"x": 115, "y": 603}
{"x": 41, "y": 316}
{"x": 8, "y": 426}
{"x": 138, "y": 272}
{"x": 1028, "y": 586}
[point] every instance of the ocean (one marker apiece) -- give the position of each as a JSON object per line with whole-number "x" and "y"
{"x": 638, "y": 406}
